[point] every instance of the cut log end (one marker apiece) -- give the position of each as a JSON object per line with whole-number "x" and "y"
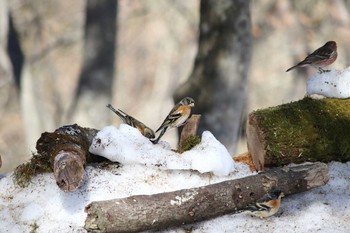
{"x": 68, "y": 170}
{"x": 255, "y": 143}
{"x": 91, "y": 223}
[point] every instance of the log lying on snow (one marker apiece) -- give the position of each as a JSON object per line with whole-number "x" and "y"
{"x": 163, "y": 210}
{"x": 306, "y": 130}
{"x": 68, "y": 151}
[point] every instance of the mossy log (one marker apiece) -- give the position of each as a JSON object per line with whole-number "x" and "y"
{"x": 164, "y": 210}
{"x": 305, "y": 130}
{"x": 67, "y": 149}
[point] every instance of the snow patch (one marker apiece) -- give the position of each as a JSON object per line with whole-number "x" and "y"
{"x": 334, "y": 84}
{"x": 127, "y": 146}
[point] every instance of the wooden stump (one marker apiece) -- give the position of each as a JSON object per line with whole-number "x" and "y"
{"x": 306, "y": 130}
{"x": 190, "y": 128}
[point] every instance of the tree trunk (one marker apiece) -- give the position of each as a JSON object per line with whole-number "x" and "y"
{"x": 12, "y": 140}
{"x": 163, "y": 210}
{"x": 219, "y": 78}
{"x": 306, "y": 130}
{"x": 94, "y": 89}
{"x": 48, "y": 57}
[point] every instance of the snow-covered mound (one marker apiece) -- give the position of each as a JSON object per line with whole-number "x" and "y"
{"x": 335, "y": 84}
{"x": 127, "y": 146}
{"x": 44, "y": 207}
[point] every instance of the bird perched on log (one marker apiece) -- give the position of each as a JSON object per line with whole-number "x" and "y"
{"x": 320, "y": 58}
{"x": 129, "y": 120}
{"x": 267, "y": 205}
{"x": 177, "y": 117}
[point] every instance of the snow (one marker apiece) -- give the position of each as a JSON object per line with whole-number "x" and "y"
{"x": 42, "y": 203}
{"x": 126, "y": 146}
{"x": 334, "y": 84}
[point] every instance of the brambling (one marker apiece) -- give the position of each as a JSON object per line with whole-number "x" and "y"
{"x": 176, "y": 117}
{"x": 129, "y": 120}
{"x": 320, "y": 58}
{"x": 267, "y": 205}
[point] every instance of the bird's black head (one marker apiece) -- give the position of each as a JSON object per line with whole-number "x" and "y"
{"x": 331, "y": 44}
{"x": 276, "y": 193}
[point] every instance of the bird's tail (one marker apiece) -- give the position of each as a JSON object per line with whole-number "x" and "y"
{"x": 119, "y": 112}
{"x": 292, "y": 68}
{"x": 155, "y": 141}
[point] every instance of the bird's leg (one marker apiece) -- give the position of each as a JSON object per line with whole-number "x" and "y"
{"x": 319, "y": 69}
{"x": 322, "y": 70}
{"x": 155, "y": 141}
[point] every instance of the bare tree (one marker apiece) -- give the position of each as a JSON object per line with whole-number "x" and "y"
{"x": 219, "y": 78}
{"x": 94, "y": 89}
{"x": 12, "y": 140}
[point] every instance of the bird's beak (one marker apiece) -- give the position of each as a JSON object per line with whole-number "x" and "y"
{"x": 192, "y": 104}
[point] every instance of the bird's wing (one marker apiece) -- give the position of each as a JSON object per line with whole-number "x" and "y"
{"x": 325, "y": 53}
{"x": 122, "y": 115}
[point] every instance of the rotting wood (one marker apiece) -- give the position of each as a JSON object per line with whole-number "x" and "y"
{"x": 67, "y": 148}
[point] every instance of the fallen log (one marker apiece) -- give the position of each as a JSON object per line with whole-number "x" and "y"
{"x": 67, "y": 148}
{"x": 305, "y": 130}
{"x": 164, "y": 210}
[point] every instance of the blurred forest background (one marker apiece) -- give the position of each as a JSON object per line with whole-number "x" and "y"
{"x": 61, "y": 62}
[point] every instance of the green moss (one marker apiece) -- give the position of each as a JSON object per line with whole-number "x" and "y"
{"x": 38, "y": 164}
{"x": 308, "y": 129}
{"x": 34, "y": 227}
{"x": 189, "y": 143}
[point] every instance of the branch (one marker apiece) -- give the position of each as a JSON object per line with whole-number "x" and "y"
{"x": 164, "y": 210}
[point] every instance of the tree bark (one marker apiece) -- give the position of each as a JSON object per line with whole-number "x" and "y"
{"x": 219, "y": 78}
{"x": 68, "y": 151}
{"x": 96, "y": 78}
{"x": 305, "y": 130}
{"x": 163, "y": 210}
